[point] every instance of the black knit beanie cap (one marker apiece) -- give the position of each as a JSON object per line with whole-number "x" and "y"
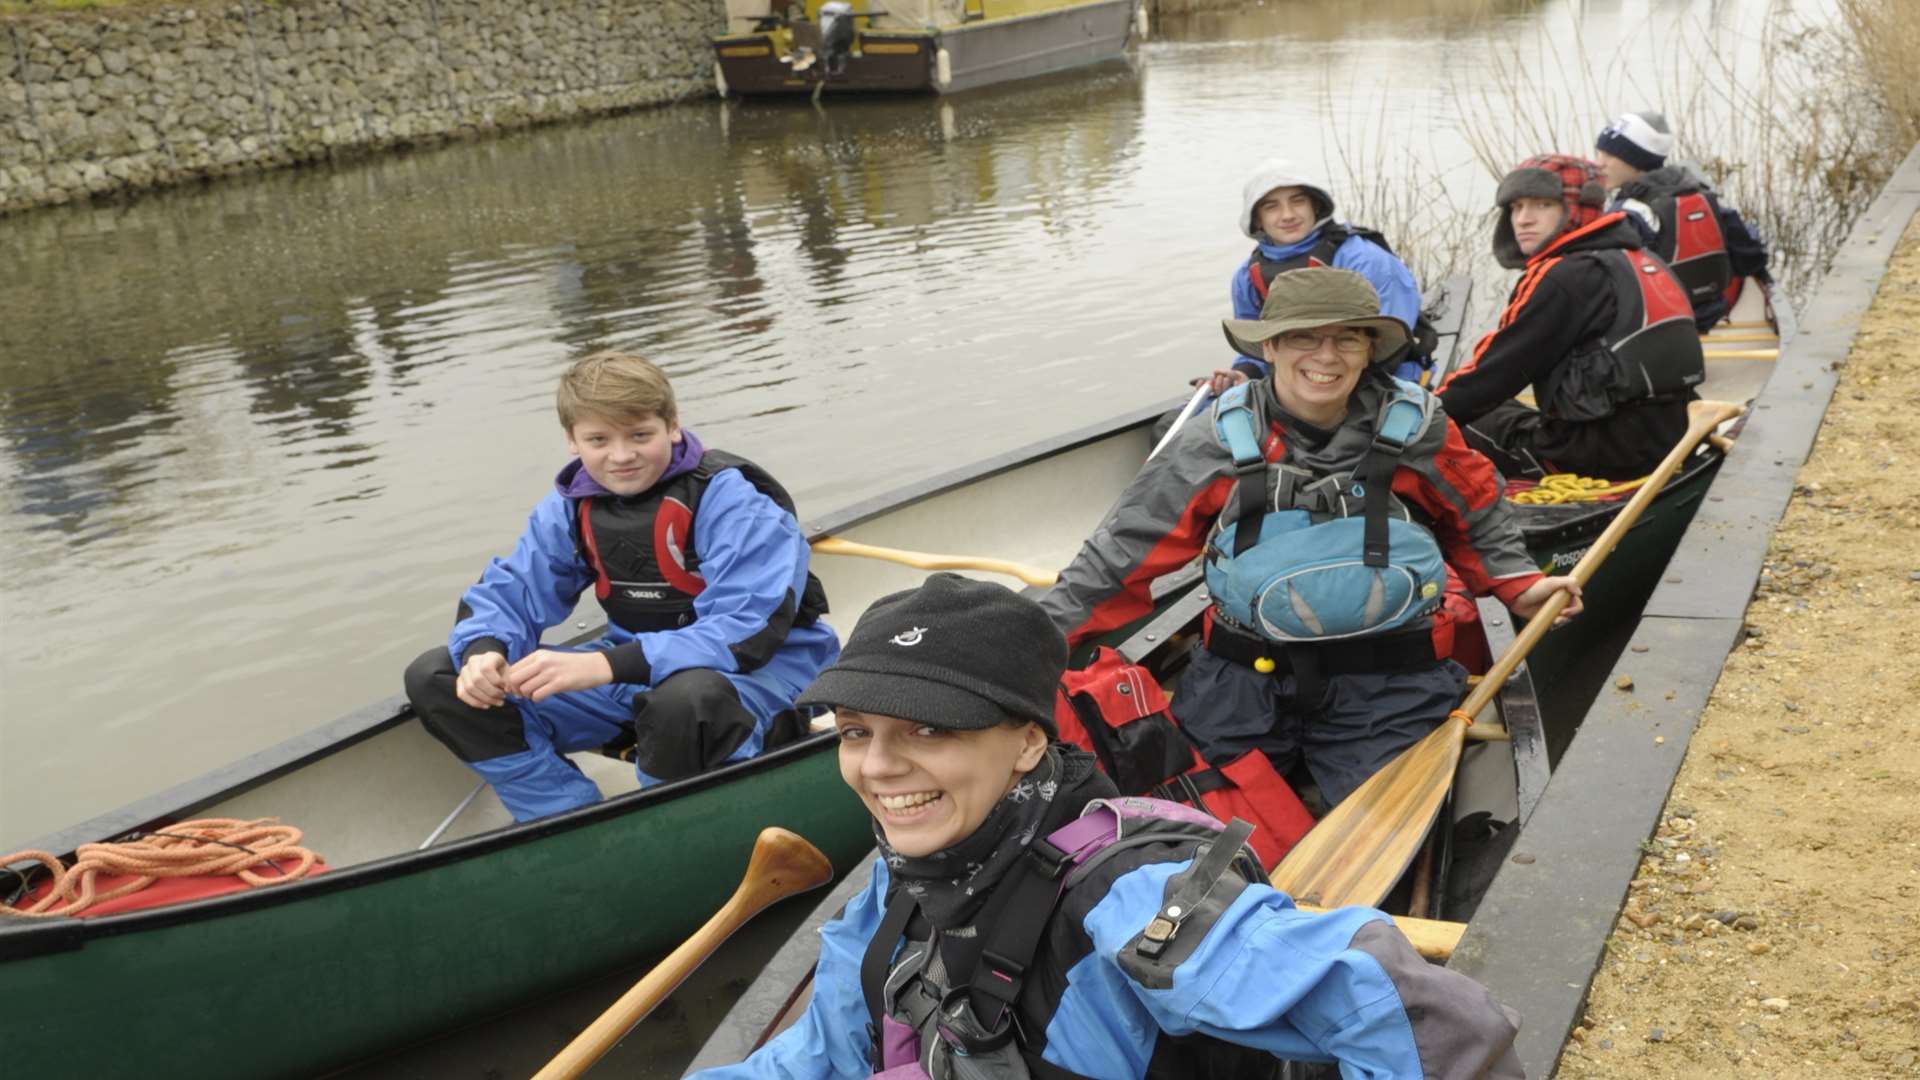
{"x": 954, "y": 653}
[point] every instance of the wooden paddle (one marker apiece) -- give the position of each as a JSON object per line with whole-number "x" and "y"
{"x": 1032, "y": 575}
{"x": 782, "y": 865}
{"x": 1431, "y": 938}
{"x": 1356, "y": 853}
{"x": 922, "y": 560}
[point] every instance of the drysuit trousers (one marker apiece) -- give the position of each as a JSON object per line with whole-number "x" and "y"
{"x": 1363, "y": 721}
{"x": 691, "y": 721}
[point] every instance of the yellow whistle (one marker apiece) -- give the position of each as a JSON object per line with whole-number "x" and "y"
{"x": 1264, "y": 665}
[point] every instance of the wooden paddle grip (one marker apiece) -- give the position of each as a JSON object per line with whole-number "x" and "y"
{"x": 782, "y": 865}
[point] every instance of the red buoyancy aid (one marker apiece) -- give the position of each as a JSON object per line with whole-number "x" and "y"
{"x": 646, "y": 571}
{"x": 1698, "y": 253}
{"x": 1649, "y": 351}
{"x": 1119, "y": 712}
{"x": 1690, "y": 240}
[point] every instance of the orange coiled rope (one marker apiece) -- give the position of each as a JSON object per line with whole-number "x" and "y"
{"x": 207, "y": 847}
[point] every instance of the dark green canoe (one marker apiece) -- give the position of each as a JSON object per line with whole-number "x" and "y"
{"x": 286, "y": 981}
{"x": 1570, "y": 663}
{"x": 396, "y": 944}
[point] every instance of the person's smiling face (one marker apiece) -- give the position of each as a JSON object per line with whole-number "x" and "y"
{"x": 1285, "y": 214}
{"x": 626, "y": 456}
{"x": 931, "y": 787}
{"x": 1315, "y": 371}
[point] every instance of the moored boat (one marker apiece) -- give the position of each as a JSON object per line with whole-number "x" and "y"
{"x": 911, "y": 46}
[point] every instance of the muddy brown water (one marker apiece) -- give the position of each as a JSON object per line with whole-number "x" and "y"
{"x": 256, "y": 436}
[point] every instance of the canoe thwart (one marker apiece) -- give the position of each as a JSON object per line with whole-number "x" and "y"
{"x": 1433, "y": 939}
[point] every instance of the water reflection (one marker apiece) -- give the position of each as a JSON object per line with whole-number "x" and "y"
{"x": 262, "y": 431}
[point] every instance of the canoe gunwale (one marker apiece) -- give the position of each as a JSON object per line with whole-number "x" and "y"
{"x": 23, "y": 938}
{"x": 1591, "y": 519}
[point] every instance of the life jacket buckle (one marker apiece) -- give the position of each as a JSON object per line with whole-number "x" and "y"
{"x": 1053, "y": 862}
{"x": 1003, "y": 967}
{"x": 1387, "y": 443}
{"x": 1159, "y": 933}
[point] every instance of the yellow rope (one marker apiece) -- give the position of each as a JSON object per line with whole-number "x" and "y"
{"x": 1557, "y": 488}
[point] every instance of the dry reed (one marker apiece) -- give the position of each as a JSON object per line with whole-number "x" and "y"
{"x": 1798, "y": 131}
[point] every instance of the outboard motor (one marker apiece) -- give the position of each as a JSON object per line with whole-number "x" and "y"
{"x": 836, "y": 35}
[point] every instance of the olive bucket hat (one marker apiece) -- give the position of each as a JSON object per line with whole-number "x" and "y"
{"x": 1321, "y": 296}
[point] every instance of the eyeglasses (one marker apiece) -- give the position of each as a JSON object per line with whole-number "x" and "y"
{"x": 1345, "y": 342}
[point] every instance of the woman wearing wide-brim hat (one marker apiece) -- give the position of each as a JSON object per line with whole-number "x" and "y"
{"x": 1328, "y": 501}
{"x": 1023, "y": 921}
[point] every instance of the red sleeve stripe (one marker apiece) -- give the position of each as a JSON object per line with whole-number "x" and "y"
{"x": 1173, "y": 551}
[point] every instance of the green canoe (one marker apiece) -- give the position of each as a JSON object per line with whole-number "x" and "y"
{"x": 1570, "y": 663}
{"x": 395, "y": 944}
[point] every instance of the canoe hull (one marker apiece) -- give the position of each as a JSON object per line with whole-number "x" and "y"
{"x": 376, "y": 955}
{"x": 1567, "y": 662}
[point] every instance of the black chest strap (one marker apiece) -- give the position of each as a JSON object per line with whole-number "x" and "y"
{"x": 878, "y": 959}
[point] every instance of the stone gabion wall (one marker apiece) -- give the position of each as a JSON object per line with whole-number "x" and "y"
{"x": 126, "y": 99}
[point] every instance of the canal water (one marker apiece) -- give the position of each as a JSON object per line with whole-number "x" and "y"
{"x": 256, "y": 436}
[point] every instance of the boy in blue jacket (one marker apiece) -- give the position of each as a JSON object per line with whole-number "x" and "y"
{"x": 694, "y": 554}
{"x": 1289, "y": 216}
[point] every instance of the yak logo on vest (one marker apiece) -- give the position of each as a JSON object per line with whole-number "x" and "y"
{"x": 910, "y": 638}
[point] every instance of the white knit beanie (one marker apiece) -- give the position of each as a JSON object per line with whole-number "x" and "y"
{"x": 1640, "y": 139}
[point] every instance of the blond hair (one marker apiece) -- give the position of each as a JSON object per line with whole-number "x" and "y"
{"x": 616, "y": 386}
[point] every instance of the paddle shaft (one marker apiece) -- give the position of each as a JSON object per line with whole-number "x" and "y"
{"x": 1431, "y": 938}
{"x": 782, "y": 865}
{"x": 1702, "y": 418}
{"x": 1032, "y": 575}
{"x": 923, "y": 560}
{"x": 1356, "y": 853}
{"x": 1193, "y": 403}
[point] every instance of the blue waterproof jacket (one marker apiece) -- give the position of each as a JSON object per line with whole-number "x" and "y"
{"x": 751, "y": 553}
{"x": 1399, "y": 293}
{"x": 1267, "y": 975}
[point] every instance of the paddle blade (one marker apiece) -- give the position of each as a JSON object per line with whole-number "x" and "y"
{"x": 782, "y": 864}
{"x": 1356, "y": 853}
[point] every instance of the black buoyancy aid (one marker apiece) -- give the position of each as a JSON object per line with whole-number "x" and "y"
{"x": 1691, "y": 240}
{"x": 1649, "y": 351}
{"x": 955, "y": 1009}
{"x": 646, "y": 571}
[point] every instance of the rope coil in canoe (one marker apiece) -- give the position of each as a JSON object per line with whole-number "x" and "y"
{"x": 206, "y": 847}
{"x": 1557, "y": 488}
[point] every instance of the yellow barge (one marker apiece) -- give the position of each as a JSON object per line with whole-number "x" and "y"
{"x": 912, "y": 46}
